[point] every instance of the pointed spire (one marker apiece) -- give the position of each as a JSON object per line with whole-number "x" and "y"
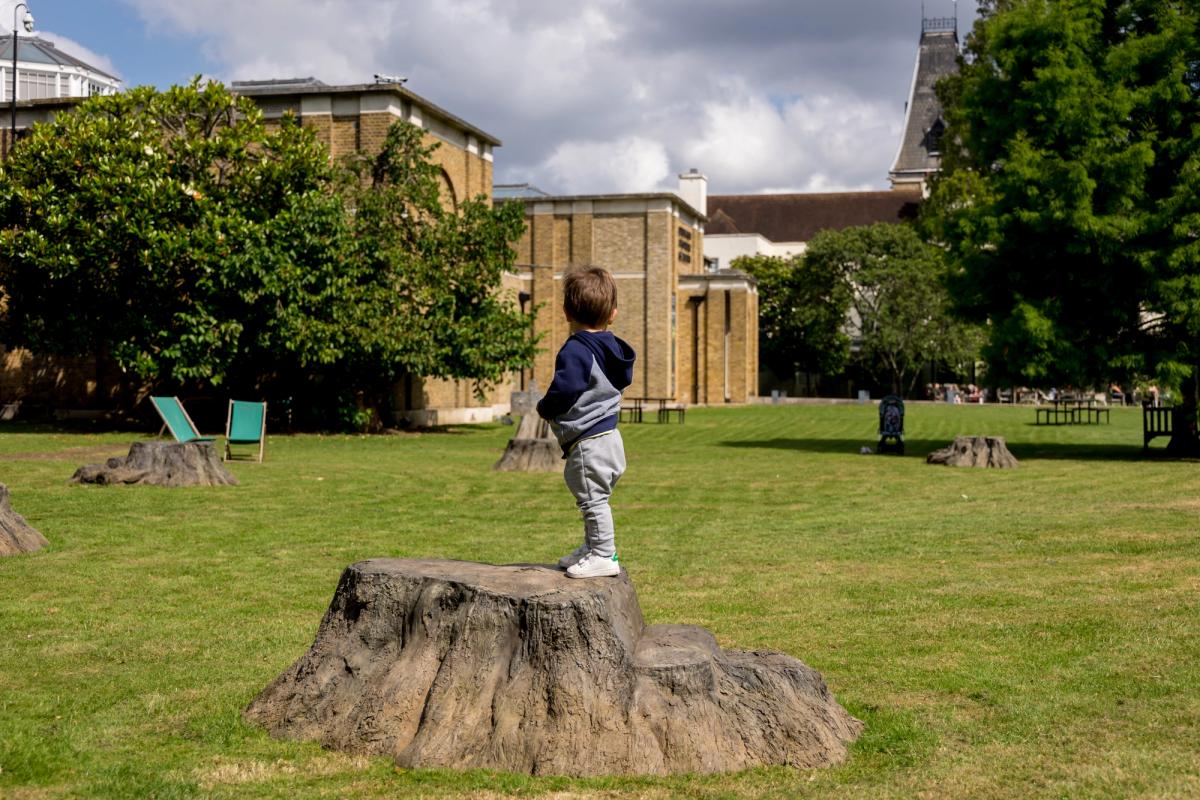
{"x": 919, "y": 154}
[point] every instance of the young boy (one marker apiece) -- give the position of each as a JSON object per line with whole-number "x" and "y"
{"x": 582, "y": 406}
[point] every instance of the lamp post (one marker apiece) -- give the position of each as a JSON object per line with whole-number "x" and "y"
{"x": 28, "y": 23}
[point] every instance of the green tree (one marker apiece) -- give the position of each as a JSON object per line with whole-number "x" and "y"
{"x": 1070, "y": 198}
{"x": 170, "y": 230}
{"x": 424, "y": 294}
{"x": 899, "y": 303}
{"x": 802, "y": 314}
{"x": 177, "y": 233}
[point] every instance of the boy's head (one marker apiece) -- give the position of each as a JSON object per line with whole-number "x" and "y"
{"x": 590, "y": 296}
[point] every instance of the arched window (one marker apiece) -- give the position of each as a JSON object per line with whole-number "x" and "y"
{"x": 446, "y": 192}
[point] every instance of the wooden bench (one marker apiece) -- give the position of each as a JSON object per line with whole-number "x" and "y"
{"x": 1055, "y": 415}
{"x": 1156, "y": 421}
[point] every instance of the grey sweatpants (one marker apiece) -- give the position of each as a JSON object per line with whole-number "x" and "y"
{"x": 593, "y": 467}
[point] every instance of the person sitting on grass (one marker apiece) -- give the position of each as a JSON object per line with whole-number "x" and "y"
{"x": 582, "y": 405}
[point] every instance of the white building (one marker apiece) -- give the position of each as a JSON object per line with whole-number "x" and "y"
{"x": 45, "y": 72}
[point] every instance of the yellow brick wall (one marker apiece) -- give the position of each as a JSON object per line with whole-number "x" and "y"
{"x": 343, "y": 136}
{"x": 372, "y": 131}
{"x": 619, "y": 242}
{"x": 469, "y": 174}
{"x": 562, "y": 241}
{"x": 659, "y": 347}
{"x": 582, "y": 238}
{"x": 661, "y": 321}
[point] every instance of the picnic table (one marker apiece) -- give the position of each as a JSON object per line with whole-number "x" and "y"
{"x": 1070, "y": 411}
{"x": 632, "y": 409}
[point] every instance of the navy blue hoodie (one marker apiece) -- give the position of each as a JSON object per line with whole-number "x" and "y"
{"x": 584, "y": 399}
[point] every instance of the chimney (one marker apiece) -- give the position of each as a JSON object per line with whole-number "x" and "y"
{"x": 693, "y": 189}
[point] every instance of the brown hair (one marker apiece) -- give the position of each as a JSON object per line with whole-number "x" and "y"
{"x": 589, "y": 295}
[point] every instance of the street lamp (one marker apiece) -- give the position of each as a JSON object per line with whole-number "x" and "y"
{"x": 28, "y": 24}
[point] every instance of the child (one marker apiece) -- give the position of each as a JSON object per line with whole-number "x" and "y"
{"x": 582, "y": 406}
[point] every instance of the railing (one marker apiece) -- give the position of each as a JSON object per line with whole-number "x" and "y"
{"x": 932, "y": 24}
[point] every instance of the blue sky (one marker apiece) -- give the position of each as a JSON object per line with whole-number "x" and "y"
{"x": 587, "y": 95}
{"x": 116, "y": 30}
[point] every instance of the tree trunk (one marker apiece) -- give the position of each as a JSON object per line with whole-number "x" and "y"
{"x": 974, "y": 451}
{"x": 1184, "y": 438}
{"x": 522, "y": 669}
{"x": 16, "y": 535}
{"x": 161, "y": 464}
{"x": 533, "y": 449}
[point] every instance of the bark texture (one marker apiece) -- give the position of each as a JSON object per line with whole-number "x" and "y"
{"x": 533, "y": 449}
{"x": 16, "y": 535}
{"x": 974, "y": 451}
{"x": 521, "y": 669}
{"x": 161, "y": 464}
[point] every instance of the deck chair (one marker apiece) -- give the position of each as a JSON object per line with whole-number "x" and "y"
{"x": 176, "y": 420}
{"x": 891, "y": 425}
{"x": 246, "y": 424}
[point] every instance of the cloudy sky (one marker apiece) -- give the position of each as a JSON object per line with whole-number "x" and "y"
{"x": 587, "y": 95}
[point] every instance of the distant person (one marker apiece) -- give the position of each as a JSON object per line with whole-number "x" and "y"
{"x": 583, "y": 405}
{"x": 1153, "y": 392}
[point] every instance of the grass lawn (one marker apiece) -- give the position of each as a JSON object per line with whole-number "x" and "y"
{"x": 1003, "y": 633}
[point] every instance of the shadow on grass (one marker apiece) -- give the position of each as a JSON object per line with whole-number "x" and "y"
{"x": 919, "y": 448}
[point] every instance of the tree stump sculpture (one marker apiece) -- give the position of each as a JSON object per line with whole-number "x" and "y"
{"x": 16, "y": 535}
{"x": 974, "y": 451}
{"x": 534, "y": 448}
{"x": 161, "y": 464}
{"x": 520, "y": 668}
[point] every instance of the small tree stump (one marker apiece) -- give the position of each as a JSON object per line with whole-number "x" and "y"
{"x": 974, "y": 451}
{"x": 522, "y": 669}
{"x": 16, "y": 535}
{"x": 533, "y": 449}
{"x": 161, "y": 464}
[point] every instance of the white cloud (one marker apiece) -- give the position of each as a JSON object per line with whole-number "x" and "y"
{"x": 629, "y": 164}
{"x": 824, "y": 143}
{"x": 608, "y": 95}
{"x": 83, "y": 53}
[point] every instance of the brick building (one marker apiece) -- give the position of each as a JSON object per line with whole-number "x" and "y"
{"x": 356, "y": 118}
{"x": 695, "y": 332}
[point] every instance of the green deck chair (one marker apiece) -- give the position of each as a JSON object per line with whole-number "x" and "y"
{"x": 176, "y": 420}
{"x": 246, "y": 424}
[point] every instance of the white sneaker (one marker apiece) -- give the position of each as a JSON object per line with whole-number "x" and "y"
{"x": 573, "y": 557}
{"x": 594, "y": 566}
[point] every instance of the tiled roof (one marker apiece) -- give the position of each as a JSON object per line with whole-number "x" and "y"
{"x": 41, "y": 51}
{"x": 937, "y": 57}
{"x": 798, "y": 217}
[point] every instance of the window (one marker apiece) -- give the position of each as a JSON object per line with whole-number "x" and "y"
{"x": 933, "y": 137}
{"x": 32, "y": 85}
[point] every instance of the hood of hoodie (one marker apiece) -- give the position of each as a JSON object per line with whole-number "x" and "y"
{"x": 614, "y": 355}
